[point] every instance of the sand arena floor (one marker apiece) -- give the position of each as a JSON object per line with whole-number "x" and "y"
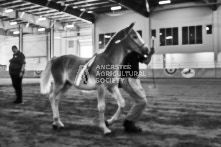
{"x": 180, "y": 113}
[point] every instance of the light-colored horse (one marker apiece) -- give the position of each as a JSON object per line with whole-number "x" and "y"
{"x": 65, "y": 71}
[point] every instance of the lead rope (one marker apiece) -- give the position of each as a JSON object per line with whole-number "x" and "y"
{"x": 153, "y": 77}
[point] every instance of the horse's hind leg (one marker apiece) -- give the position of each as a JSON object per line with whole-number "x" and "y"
{"x": 55, "y": 96}
{"x": 101, "y": 108}
{"x": 54, "y": 99}
{"x": 120, "y": 102}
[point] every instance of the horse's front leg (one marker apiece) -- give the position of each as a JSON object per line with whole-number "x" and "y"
{"x": 120, "y": 102}
{"x": 101, "y": 108}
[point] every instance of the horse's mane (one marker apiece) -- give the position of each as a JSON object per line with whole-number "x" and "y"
{"x": 110, "y": 42}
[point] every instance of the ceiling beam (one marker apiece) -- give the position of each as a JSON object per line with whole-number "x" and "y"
{"x": 214, "y": 4}
{"x": 184, "y": 5}
{"x": 84, "y": 16}
{"x": 5, "y": 32}
{"x": 29, "y": 18}
{"x": 12, "y": 4}
{"x": 27, "y": 9}
{"x": 132, "y": 5}
{"x": 20, "y": 6}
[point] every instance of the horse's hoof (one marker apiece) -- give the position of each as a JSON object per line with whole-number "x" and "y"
{"x": 108, "y": 134}
{"x": 55, "y": 127}
{"x": 106, "y": 123}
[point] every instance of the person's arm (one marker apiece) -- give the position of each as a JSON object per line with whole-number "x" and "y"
{"x": 148, "y": 58}
{"x": 22, "y": 61}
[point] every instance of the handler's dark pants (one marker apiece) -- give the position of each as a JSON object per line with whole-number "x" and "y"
{"x": 17, "y": 84}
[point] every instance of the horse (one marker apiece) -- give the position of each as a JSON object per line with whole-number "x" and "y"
{"x": 63, "y": 72}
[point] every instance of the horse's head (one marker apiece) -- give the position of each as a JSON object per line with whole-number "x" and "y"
{"x": 133, "y": 41}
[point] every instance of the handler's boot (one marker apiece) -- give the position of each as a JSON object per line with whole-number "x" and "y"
{"x": 130, "y": 127}
{"x": 17, "y": 102}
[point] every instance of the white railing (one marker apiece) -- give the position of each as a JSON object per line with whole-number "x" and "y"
{"x": 186, "y": 65}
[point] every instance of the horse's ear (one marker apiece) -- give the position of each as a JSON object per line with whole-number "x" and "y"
{"x": 131, "y": 26}
{"x": 127, "y": 31}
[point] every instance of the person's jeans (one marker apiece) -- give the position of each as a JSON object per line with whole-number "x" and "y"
{"x": 136, "y": 91}
{"x": 17, "y": 84}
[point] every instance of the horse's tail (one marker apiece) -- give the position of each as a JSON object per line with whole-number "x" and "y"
{"x": 45, "y": 82}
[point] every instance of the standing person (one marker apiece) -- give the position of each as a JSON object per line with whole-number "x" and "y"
{"x": 16, "y": 71}
{"x": 132, "y": 85}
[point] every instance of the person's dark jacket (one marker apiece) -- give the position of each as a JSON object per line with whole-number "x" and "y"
{"x": 132, "y": 61}
{"x": 16, "y": 63}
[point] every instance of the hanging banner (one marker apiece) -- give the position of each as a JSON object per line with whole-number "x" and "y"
{"x": 188, "y": 73}
{"x": 170, "y": 71}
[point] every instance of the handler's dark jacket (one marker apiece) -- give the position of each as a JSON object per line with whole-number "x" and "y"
{"x": 16, "y": 63}
{"x": 132, "y": 62}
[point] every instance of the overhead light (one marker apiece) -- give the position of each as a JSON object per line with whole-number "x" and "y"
{"x": 164, "y": 2}
{"x": 52, "y": 24}
{"x": 16, "y": 32}
{"x": 22, "y": 14}
{"x": 69, "y": 25}
{"x": 13, "y": 23}
{"x": 41, "y": 29}
{"x": 85, "y": 40}
{"x": 8, "y": 10}
{"x": 169, "y": 37}
{"x": 57, "y": 37}
{"x": 83, "y": 9}
{"x": 61, "y": 2}
{"x": 107, "y": 36}
{"x": 41, "y": 18}
{"x": 75, "y": 7}
{"x": 89, "y": 11}
{"x": 27, "y": 25}
{"x": 116, "y": 8}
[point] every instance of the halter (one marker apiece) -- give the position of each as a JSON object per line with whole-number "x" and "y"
{"x": 128, "y": 34}
{"x": 139, "y": 46}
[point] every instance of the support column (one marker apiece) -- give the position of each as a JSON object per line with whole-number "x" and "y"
{"x": 215, "y": 38}
{"x": 20, "y": 38}
{"x": 50, "y": 51}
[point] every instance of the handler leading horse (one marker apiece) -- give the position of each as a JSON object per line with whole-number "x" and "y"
{"x": 65, "y": 73}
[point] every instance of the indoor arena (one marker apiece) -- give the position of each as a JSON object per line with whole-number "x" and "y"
{"x": 110, "y": 73}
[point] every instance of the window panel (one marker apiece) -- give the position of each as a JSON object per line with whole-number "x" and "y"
{"x": 192, "y": 35}
{"x": 107, "y": 37}
{"x": 162, "y": 37}
{"x": 209, "y": 29}
{"x": 185, "y": 35}
{"x": 101, "y": 41}
{"x": 199, "y": 38}
{"x": 175, "y": 36}
{"x": 140, "y": 32}
{"x": 70, "y": 43}
{"x": 169, "y": 36}
{"x": 153, "y": 33}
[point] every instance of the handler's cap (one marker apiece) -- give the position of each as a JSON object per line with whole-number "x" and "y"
{"x": 14, "y": 46}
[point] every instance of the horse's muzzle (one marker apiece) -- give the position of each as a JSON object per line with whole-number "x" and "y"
{"x": 145, "y": 50}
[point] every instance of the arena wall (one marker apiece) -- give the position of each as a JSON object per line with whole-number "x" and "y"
{"x": 205, "y": 57}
